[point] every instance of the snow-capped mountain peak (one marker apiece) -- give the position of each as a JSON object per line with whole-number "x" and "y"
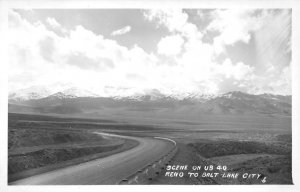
{"x": 38, "y": 92}
{"x": 197, "y": 103}
{"x": 61, "y": 95}
{"x": 76, "y": 92}
{"x": 34, "y": 92}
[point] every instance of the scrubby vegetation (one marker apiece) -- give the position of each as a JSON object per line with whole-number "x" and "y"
{"x": 40, "y": 158}
{"x": 38, "y": 146}
{"x": 221, "y": 148}
{"x": 271, "y": 158}
{"x": 29, "y": 137}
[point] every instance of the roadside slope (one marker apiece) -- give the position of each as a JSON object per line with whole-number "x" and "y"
{"x": 108, "y": 170}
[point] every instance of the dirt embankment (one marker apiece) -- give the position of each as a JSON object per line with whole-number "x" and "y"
{"x": 271, "y": 159}
{"x": 36, "y": 151}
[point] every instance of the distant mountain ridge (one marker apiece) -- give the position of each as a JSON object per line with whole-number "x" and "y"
{"x": 73, "y": 92}
{"x": 39, "y": 93}
{"x": 73, "y": 100}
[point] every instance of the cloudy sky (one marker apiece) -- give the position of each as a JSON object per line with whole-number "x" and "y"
{"x": 132, "y": 51}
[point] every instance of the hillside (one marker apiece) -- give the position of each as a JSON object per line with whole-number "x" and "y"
{"x": 232, "y": 103}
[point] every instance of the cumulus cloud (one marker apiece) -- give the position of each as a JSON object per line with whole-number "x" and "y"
{"x": 84, "y": 62}
{"x": 175, "y": 20}
{"x": 239, "y": 71}
{"x": 52, "y": 22}
{"x": 234, "y": 25}
{"x": 170, "y": 45}
{"x": 39, "y": 56}
{"x": 121, "y": 31}
{"x": 46, "y": 47}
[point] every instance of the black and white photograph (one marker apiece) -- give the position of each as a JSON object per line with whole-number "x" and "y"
{"x": 149, "y": 96}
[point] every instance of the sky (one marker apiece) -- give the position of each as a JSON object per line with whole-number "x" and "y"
{"x": 122, "y": 52}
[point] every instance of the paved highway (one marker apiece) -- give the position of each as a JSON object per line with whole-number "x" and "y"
{"x": 107, "y": 170}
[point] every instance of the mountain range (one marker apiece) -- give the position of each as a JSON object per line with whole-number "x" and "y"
{"x": 77, "y": 101}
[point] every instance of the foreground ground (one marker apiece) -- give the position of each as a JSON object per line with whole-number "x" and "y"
{"x": 107, "y": 170}
{"x": 38, "y": 144}
{"x": 271, "y": 159}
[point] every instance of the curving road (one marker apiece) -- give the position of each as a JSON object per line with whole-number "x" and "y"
{"x": 107, "y": 170}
